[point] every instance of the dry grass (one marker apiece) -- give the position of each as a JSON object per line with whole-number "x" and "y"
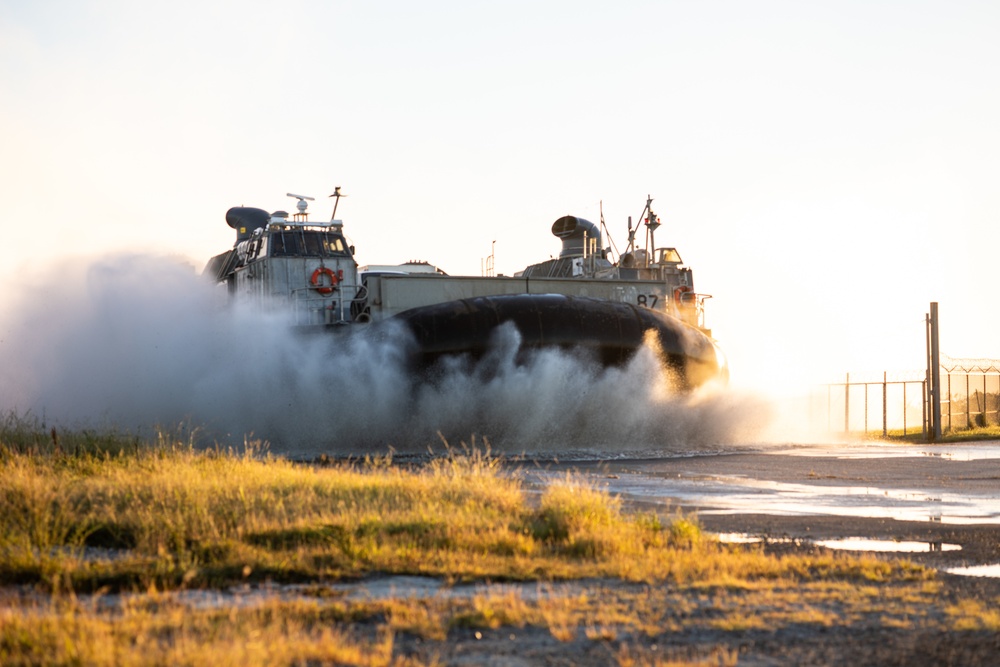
{"x": 146, "y": 629}
{"x": 108, "y": 515}
{"x": 166, "y": 516}
{"x": 161, "y": 633}
{"x": 973, "y": 615}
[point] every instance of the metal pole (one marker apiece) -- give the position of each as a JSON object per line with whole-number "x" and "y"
{"x": 925, "y": 411}
{"x": 935, "y": 373}
{"x": 995, "y": 412}
{"x": 927, "y": 371}
{"x": 866, "y": 409}
{"x": 949, "y": 400}
{"x": 885, "y": 420}
{"x": 968, "y": 404}
{"x": 904, "y": 407}
{"x": 847, "y": 404}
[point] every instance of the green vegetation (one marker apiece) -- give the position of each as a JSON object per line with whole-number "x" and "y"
{"x": 991, "y": 432}
{"x": 88, "y": 517}
{"x": 978, "y": 433}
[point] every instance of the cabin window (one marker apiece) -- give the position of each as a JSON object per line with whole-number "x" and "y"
{"x": 301, "y": 243}
{"x": 333, "y": 245}
{"x": 312, "y": 244}
{"x": 668, "y": 256}
{"x": 258, "y": 248}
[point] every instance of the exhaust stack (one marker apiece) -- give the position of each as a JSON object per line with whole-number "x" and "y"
{"x": 574, "y": 232}
{"x": 245, "y": 220}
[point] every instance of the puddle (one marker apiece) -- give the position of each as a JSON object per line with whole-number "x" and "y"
{"x": 976, "y": 570}
{"x": 379, "y": 588}
{"x": 850, "y": 543}
{"x": 744, "y": 538}
{"x": 889, "y": 546}
{"x": 666, "y": 483}
{"x": 721, "y": 494}
{"x": 376, "y": 589}
{"x": 983, "y": 451}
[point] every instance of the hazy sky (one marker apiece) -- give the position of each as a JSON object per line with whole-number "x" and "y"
{"x": 826, "y": 168}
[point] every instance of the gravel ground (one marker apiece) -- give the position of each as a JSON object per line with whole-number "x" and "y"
{"x": 849, "y": 646}
{"x": 851, "y": 639}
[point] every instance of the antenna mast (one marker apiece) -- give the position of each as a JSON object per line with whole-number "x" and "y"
{"x": 607, "y": 234}
{"x": 652, "y": 223}
{"x": 337, "y": 194}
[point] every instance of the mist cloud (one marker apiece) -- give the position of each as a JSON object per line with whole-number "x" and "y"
{"x": 139, "y": 342}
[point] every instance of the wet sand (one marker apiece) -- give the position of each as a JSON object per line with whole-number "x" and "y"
{"x": 928, "y": 494}
{"x": 956, "y": 490}
{"x": 933, "y": 496}
{"x": 934, "y": 477}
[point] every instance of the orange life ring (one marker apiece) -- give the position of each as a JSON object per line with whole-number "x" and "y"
{"x": 323, "y": 289}
{"x": 679, "y": 292}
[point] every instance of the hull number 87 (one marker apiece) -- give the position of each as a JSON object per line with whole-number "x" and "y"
{"x": 647, "y": 300}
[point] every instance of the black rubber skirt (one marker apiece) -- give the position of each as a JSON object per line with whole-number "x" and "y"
{"x": 610, "y": 331}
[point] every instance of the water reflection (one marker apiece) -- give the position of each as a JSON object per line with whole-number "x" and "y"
{"x": 850, "y": 543}
{"x": 732, "y": 494}
{"x": 980, "y": 451}
{"x": 886, "y": 546}
{"x": 716, "y": 486}
{"x": 976, "y": 570}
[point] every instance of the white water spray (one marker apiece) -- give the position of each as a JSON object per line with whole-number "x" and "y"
{"x": 139, "y": 342}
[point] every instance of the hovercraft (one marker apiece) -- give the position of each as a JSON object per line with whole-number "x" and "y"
{"x": 581, "y": 300}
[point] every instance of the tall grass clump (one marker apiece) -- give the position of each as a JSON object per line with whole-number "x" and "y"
{"x": 578, "y": 519}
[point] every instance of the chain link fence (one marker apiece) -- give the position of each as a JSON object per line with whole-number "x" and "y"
{"x": 970, "y": 393}
{"x": 871, "y": 403}
{"x": 898, "y": 403}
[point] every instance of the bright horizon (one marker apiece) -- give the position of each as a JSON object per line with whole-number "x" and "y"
{"x": 827, "y": 170}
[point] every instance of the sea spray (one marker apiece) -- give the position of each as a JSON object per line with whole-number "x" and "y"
{"x": 139, "y": 342}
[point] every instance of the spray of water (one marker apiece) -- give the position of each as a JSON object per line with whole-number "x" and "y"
{"x": 139, "y": 342}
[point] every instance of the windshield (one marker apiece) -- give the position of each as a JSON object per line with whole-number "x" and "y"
{"x": 298, "y": 242}
{"x": 668, "y": 256}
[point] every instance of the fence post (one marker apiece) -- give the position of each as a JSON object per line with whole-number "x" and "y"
{"x": 949, "y": 401}
{"x": 885, "y": 421}
{"x": 847, "y": 404}
{"x": 968, "y": 404}
{"x": 925, "y": 429}
{"x": 866, "y": 409}
{"x": 904, "y": 408}
{"x": 935, "y": 374}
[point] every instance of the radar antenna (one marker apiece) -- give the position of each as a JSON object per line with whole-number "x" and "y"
{"x": 301, "y": 206}
{"x": 337, "y": 194}
{"x": 652, "y": 223}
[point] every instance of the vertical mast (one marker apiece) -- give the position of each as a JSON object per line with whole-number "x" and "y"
{"x": 652, "y": 222}
{"x": 337, "y": 194}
